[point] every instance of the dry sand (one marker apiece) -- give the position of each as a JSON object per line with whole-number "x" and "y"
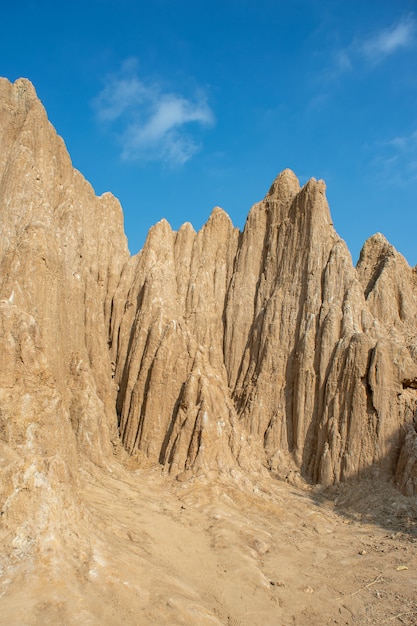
{"x": 150, "y": 550}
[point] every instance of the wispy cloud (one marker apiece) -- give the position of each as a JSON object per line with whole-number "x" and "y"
{"x": 396, "y": 159}
{"x": 373, "y": 48}
{"x": 404, "y": 143}
{"x": 152, "y": 124}
{"x": 379, "y": 45}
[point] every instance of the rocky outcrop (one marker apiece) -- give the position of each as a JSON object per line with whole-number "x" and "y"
{"x": 309, "y": 357}
{"x": 38, "y": 451}
{"x": 216, "y": 351}
{"x": 61, "y": 254}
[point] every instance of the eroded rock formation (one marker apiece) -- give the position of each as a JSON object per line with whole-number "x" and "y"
{"x": 216, "y": 351}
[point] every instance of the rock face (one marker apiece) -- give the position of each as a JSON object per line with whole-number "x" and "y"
{"x": 57, "y": 278}
{"x": 266, "y": 346}
{"x": 217, "y": 351}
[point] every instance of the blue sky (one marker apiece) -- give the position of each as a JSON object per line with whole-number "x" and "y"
{"x": 179, "y": 106}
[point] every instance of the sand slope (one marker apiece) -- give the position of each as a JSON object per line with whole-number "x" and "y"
{"x": 162, "y": 552}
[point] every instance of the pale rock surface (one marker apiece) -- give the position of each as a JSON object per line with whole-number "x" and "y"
{"x": 265, "y": 348}
{"x": 57, "y": 277}
{"x": 226, "y": 358}
{"x": 313, "y": 360}
{"x": 61, "y": 254}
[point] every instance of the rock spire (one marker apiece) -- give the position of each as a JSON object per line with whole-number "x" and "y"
{"x": 210, "y": 351}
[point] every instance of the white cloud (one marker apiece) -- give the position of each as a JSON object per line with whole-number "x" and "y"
{"x": 152, "y": 124}
{"x": 373, "y": 48}
{"x": 385, "y": 42}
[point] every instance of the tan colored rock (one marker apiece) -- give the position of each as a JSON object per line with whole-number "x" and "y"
{"x": 406, "y": 470}
{"x": 227, "y": 359}
{"x": 61, "y": 253}
{"x": 207, "y": 351}
{"x": 314, "y": 370}
{"x": 38, "y": 452}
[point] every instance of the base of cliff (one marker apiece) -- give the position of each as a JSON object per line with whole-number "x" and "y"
{"x": 145, "y": 549}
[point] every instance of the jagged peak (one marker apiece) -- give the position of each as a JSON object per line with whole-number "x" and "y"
{"x": 22, "y": 90}
{"x": 378, "y": 238}
{"x": 159, "y": 232}
{"x": 211, "y": 355}
{"x": 219, "y": 215}
{"x": 312, "y": 201}
{"x": 186, "y": 227}
{"x": 375, "y": 248}
{"x": 23, "y": 85}
{"x": 379, "y": 260}
{"x": 314, "y": 188}
{"x": 185, "y": 233}
{"x": 218, "y": 210}
{"x": 316, "y": 185}
{"x": 286, "y": 184}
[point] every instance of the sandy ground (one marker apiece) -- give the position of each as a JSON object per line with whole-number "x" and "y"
{"x": 151, "y": 550}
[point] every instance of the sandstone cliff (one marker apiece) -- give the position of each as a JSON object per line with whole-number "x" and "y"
{"x": 217, "y": 351}
{"x": 57, "y": 278}
{"x": 267, "y": 347}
